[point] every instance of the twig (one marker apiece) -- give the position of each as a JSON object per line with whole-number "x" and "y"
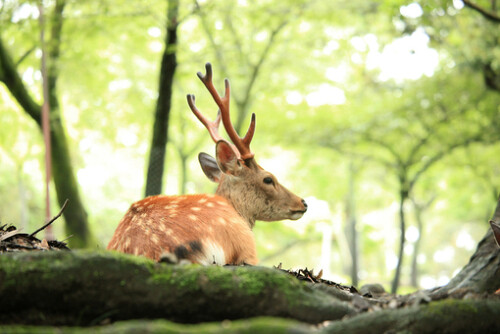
{"x": 52, "y": 220}
{"x": 24, "y": 56}
{"x": 68, "y": 237}
{"x": 487, "y": 14}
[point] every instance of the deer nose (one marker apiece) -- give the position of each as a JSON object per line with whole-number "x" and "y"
{"x": 305, "y": 204}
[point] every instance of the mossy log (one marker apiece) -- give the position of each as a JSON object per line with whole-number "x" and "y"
{"x": 86, "y": 288}
{"x": 250, "y": 326}
{"x": 445, "y": 316}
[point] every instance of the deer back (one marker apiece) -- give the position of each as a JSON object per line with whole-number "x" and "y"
{"x": 203, "y": 229}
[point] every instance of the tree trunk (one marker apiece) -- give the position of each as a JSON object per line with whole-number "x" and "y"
{"x": 403, "y": 195}
{"x": 154, "y": 179}
{"x": 416, "y": 247}
{"x": 351, "y": 228}
{"x": 66, "y": 186}
{"x": 482, "y": 273}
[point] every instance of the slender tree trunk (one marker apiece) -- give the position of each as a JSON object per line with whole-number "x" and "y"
{"x": 154, "y": 179}
{"x": 416, "y": 248}
{"x": 419, "y": 208}
{"x": 49, "y": 234}
{"x": 403, "y": 196}
{"x": 66, "y": 186}
{"x": 63, "y": 174}
{"x": 352, "y": 235}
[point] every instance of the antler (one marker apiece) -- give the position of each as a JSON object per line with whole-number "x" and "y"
{"x": 212, "y": 127}
{"x": 242, "y": 145}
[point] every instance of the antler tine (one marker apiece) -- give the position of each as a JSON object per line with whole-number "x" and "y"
{"x": 250, "y": 132}
{"x": 242, "y": 144}
{"x": 212, "y": 127}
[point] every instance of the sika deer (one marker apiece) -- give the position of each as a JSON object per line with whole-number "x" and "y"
{"x": 216, "y": 228}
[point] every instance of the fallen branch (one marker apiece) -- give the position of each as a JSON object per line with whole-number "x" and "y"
{"x": 50, "y": 221}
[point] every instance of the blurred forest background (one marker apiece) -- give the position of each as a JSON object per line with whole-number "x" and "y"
{"x": 383, "y": 115}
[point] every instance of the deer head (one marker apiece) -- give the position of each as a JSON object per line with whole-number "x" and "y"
{"x": 254, "y": 192}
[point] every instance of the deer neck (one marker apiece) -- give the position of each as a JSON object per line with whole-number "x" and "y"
{"x": 239, "y": 203}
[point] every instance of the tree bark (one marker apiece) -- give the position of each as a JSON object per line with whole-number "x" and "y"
{"x": 64, "y": 178}
{"x": 447, "y": 316}
{"x": 68, "y": 288}
{"x": 416, "y": 247}
{"x": 351, "y": 221}
{"x": 403, "y": 196}
{"x": 154, "y": 179}
{"x": 482, "y": 273}
{"x": 419, "y": 209}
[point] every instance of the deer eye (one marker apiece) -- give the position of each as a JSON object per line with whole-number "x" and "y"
{"x": 268, "y": 180}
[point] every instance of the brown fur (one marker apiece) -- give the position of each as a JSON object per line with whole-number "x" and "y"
{"x": 255, "y": 200}
{"x": 209, "y": 228}
{"x": 160, "y": 224}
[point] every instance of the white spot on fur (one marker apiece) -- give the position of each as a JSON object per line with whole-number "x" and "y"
{"x": 195, "y": 208}
{"x": 210, "y": 204}
{"x": 191, "y": 217}
{"x": 221, "y": 220}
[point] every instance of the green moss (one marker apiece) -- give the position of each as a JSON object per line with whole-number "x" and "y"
{"x": 442, "y": 308}
{"x": 254, "y": 325}
{"x": 171, "y": 275}
{"x": 35, "y": 263}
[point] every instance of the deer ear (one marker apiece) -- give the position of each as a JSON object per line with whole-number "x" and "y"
{"x": 227, "y": 159}
{"x": 210, "y": 167}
